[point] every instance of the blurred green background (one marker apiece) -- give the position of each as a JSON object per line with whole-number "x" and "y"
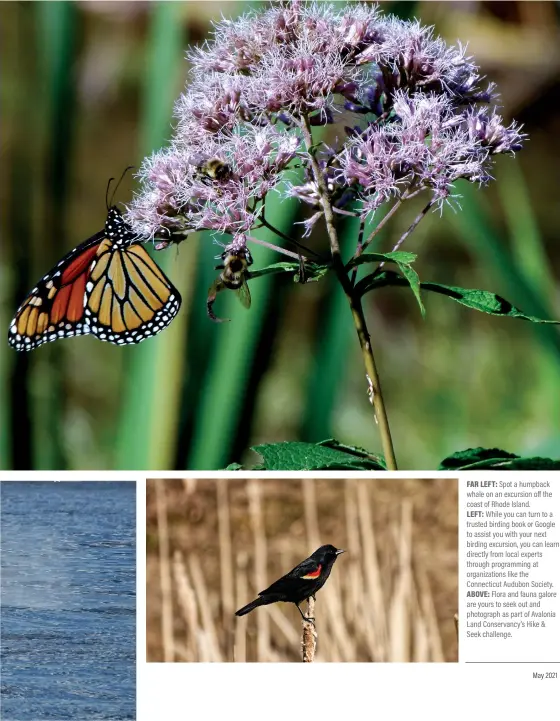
{"x": 88, "y": 88}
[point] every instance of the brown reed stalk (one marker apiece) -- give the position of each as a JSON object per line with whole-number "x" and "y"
{"x": 374, "y": 585}
{"x": 259, "y": 536}
{"x": 226, "y": 570}
{"x": 309, "y": 634}
{"x": 187, "y": 601}
{"x": 354, "y": 585}
{"x": 310, "y": 509}
{"x": 420, "y": 652}
{"x": 165, "y": 581}
{"x": 425, "y": 640}
{"x": 208, "y": 637}
{"x": 337, "y": 626}
{"x": 189, "y": 484}
{"x": 430, "y": 615}
{"x": 400, "y": 611}
{"x": 284, "y": 625}
{"x": 240, "y": 640}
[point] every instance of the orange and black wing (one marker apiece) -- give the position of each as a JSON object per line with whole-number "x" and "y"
{"x": 55, "y": 307}
{"x": 103, "y": 287}
{"x": 128, "y": 297}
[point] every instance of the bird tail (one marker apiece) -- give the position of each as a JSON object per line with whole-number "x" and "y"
{"x": 250, "y": 606}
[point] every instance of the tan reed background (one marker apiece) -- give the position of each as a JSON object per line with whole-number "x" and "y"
{"x": 212, "y": 545}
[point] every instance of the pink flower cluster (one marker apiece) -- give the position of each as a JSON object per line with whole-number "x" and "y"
{"x": 413, "y": 115}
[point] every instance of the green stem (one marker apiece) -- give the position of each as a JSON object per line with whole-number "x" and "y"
{"x": 381, "y": 223}
{"x": 408, "y": 231}
{"x": 354, "y": 302}
{"x": 359, "y": 250}
{"x": 375, "y": 388}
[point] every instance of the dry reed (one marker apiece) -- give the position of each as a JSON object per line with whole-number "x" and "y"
{"x": 165, "y": 574}
{"x": 309, "y": 634}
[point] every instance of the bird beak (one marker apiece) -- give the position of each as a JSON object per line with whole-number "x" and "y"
{"x": 339, "y": 551}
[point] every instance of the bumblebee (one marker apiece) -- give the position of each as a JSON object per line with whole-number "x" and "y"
{"x": 215, "y": 169}
{"x": 233, "y": 277}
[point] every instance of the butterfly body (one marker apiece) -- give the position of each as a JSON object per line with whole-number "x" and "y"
{"x": 108, "y": 287}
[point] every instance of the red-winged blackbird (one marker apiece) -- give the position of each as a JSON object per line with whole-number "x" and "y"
{"x": 300, "y": 583}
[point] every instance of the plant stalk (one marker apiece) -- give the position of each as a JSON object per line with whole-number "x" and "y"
{"x": 375, "y": 383}
{"x": 355, "y": 305}
{"x": 359, "y": 250}
{"x": 276, "y": 248}
{"x": 309, "y": 634}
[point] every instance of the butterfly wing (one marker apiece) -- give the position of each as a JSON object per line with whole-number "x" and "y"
{"x": 112, "y": 290}
{"x": 128, "y": 297}
{"x": 55, "y": 307}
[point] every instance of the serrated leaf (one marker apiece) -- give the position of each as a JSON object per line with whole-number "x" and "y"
{"x": 482, "y": 300}
{"x": 300, "y": 456}
{"x": 484, "y": 458}
{"x": 234, "y": 467}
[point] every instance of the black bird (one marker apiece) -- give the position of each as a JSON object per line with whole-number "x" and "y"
{"x": 300, "y": 583}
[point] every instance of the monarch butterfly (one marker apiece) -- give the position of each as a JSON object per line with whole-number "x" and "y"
{"x": 108, "y": 286}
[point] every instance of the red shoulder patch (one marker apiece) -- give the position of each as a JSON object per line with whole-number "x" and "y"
{"x": 314, "y": 574}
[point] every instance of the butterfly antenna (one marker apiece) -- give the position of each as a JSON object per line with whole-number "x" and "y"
{"x": 107, "y": 194}
{"x": 125, "y": 171}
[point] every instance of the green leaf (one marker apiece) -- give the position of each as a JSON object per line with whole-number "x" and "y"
{"x": 327, "y": 455}
{"x": 414, "y": 281}
{"x": 480, "y": 458}
{"x": 313, "y": 271}
{"x": 403, "y": 260}
{"x": 274, "y": 269}
{"x": 398, "y": 256}
{"x": 531, "y": 464}
{"x": 481, "y": 300}
{"x": 234, "y": 467}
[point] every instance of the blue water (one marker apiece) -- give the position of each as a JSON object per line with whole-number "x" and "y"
{"x": 68, "y": 601}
